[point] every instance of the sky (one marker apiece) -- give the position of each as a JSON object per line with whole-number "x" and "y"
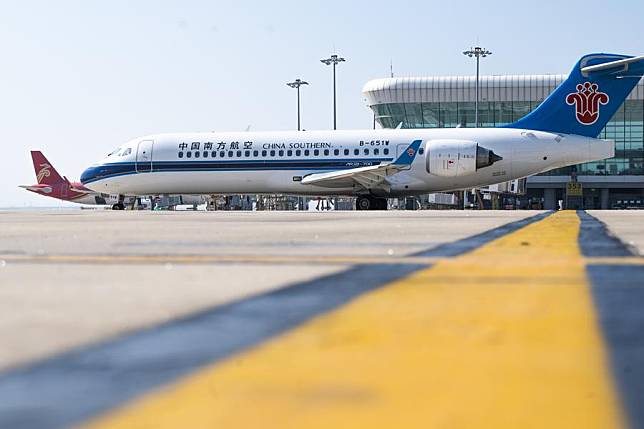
{"x": 79, "y": 78}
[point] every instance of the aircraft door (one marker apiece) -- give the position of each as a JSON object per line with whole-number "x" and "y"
{"x": 144, "y": 155}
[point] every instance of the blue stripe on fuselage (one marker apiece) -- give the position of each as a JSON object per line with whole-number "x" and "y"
{"x": 105, "y": 171}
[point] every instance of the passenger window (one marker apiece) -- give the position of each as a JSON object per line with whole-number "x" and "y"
{"x": 230, "y": 154}
{"x": 326, "y": 152}
{"x": 421, "y": 151}
{"x": 346, "y": 151}
{"x": 205, "y": 154}
{"x": 180, "y": 154}
{"x": 239, "y": 154}
{"x": 272, "y": 153}
{"x": 281, "y": 153}
{"x": 213, "y": 154}
{"x": 264, "y": 153}
{"x": 385, "y": 151}
{"x": 356, "y": 152}
{"x": 255, "y": 153}
{"x": 366, "y": 151}
{"x": 336, "y": 152}
{"x": 376, "y": 151}
{"x": 298, "y": 152}
{"x": 197, "y": 154}
{"x": 247, "y": 153}
{"x": 222, "y": 154}
{"x": 189, "y": 154}
{"x": 316, "y": 152}
{"x": 289, "y": 153}
{"x": 306, "y": 152}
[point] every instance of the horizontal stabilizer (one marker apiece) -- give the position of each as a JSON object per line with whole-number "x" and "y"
{"x": 632, "y": 65}
{"x": 37, "y": 188}
{"x": 81, "y": 190}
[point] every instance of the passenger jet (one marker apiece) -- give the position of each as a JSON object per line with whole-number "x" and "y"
{"x": 51, "y": 184}
{"x": 376, "y": 164}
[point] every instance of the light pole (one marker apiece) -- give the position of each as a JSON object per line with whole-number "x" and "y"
{"x": 477, "y": 52}
{"x": 328, "y": 61}
{"x": 296, "y": 84}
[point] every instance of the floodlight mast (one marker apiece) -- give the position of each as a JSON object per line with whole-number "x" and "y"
{"x": 296, "y": 84}
{"x": 333, "y": 60}
{"x": 477, "y": 52}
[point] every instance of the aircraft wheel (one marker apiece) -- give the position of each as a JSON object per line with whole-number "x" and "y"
{"x": 118, "y": 206}
{"x": 364, "y": 203}
{"x": 381, "y": 204}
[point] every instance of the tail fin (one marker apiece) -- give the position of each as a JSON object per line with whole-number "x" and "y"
{"x": 45, "y": 173}
{"x": 585, "y": 102}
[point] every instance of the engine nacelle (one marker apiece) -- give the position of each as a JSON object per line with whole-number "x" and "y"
{"x": 457, "y": 158}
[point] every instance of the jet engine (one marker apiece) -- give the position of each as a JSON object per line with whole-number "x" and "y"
{"x": 457, "y": 158}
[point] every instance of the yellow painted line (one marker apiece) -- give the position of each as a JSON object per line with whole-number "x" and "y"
{"x": 503, "y": 337}
{"x": 615, "y": 260}
{"x": 265, "y": 259}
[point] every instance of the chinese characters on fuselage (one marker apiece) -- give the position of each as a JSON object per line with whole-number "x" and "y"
{"x": 248, "y": 145}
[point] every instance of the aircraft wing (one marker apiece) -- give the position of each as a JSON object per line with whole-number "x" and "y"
{"x": 369, "y": 177}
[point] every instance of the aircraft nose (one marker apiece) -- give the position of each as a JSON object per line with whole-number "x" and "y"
{"x": 90, "y": 174}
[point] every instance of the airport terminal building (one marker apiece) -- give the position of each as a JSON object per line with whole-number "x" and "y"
{"x": 437, "y": 102}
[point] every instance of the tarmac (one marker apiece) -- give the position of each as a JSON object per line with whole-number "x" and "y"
{"x": 403, "y": 318}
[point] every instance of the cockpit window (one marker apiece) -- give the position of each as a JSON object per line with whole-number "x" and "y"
{"x": 114, "y": 152}
{"x": 126, "y": 152}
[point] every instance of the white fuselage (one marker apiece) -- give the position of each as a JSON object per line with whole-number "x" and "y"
{"x": 275, "y": 162}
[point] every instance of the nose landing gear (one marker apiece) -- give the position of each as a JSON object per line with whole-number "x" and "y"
{"x": 371, "y": 203}
{"x": 119, "y": 205}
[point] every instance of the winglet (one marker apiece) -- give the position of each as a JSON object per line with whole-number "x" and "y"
{"x": 407, "y": 157}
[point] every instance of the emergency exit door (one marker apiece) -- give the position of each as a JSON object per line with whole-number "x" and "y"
{"x": 144, "y": 155}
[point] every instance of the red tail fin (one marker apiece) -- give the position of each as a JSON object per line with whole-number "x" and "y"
{"x": 45, "y": 173}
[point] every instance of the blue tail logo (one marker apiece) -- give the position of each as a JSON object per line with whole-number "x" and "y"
{"x": 584, "y": 103}
{"x": 587, "y": 100}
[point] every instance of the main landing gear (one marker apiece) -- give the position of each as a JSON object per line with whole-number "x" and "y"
{"x": 371, "y": 203}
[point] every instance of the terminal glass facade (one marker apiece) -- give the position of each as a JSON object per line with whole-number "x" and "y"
{"x": 626, "y": 127}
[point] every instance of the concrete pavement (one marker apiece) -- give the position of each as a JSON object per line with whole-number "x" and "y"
{"x": 48, "y": 308}
{"x": 497, "y": 319}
